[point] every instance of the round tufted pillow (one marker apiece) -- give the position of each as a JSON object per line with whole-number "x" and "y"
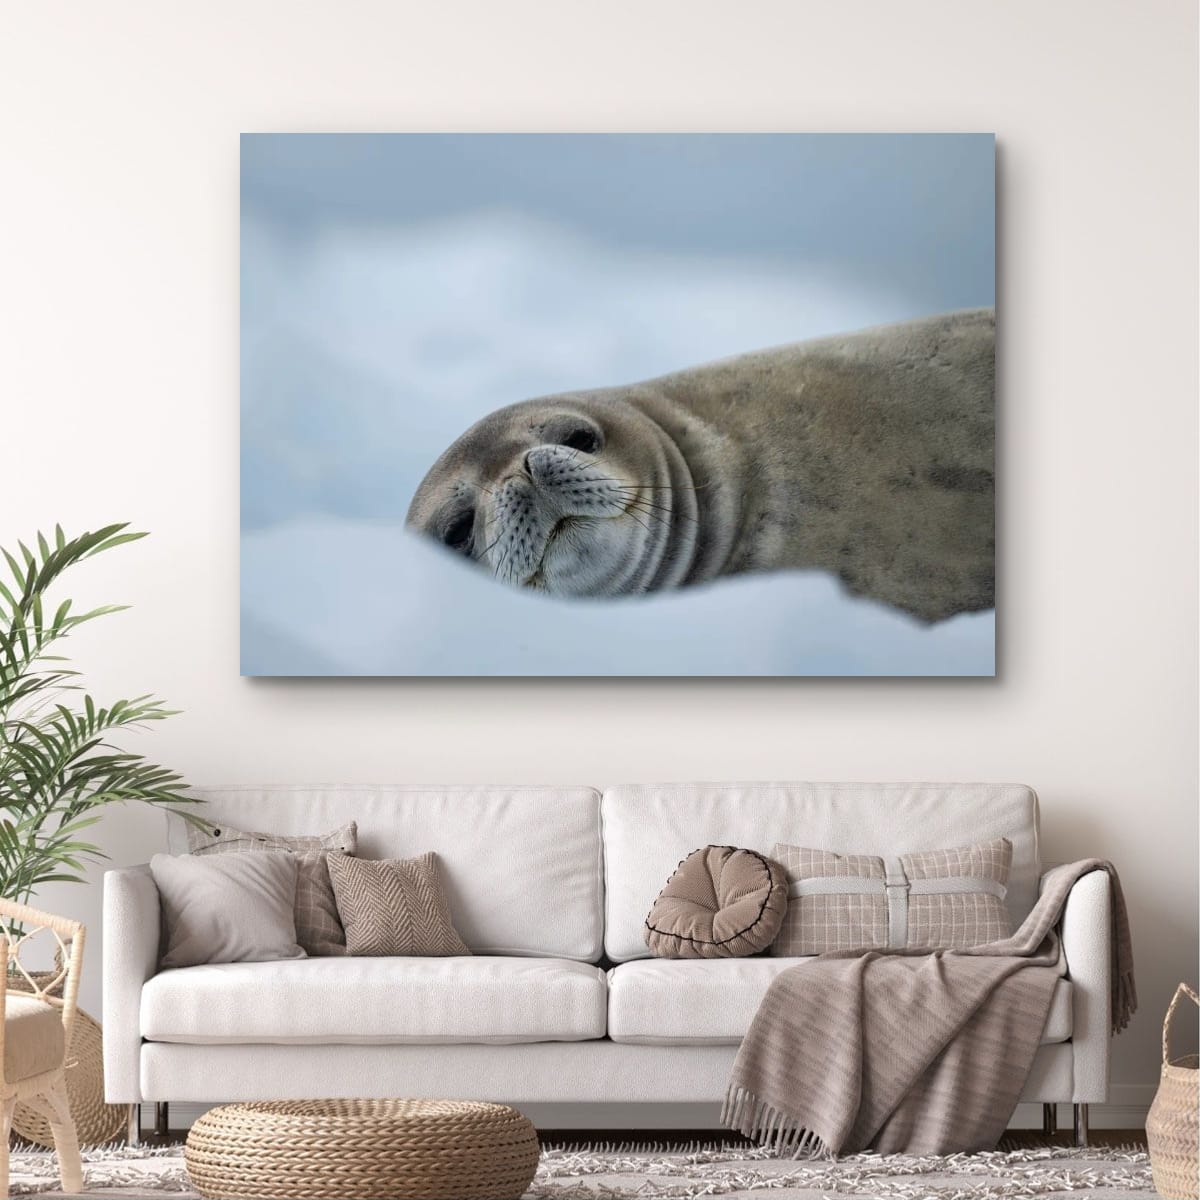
{"x": 721, "y": 902}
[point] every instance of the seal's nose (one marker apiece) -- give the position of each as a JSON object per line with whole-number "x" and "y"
{"x": 531, "y": 462}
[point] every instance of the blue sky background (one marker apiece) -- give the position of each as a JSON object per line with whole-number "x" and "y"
{"x": 395, "y": 288}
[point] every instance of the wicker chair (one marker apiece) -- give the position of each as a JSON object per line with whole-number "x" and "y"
{"x": 35, "y": 1036}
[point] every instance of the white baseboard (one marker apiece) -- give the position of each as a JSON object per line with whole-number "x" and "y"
{"x": 1126, "y": 1109}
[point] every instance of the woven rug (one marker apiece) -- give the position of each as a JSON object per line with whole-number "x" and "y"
{"x": 599, "y": 1172}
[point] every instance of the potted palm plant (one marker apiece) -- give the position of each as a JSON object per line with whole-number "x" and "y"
{"x": 58, "y": 768}
{"x": 59, "y": 771}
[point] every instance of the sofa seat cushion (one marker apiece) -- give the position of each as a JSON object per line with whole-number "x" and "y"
{"x": 711, "y": 1002}
{"x": 377, "y": 1000}
{"x": 33, "y": 1037}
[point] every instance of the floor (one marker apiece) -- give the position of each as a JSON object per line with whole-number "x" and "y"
{"x": 1026, "y": 1167}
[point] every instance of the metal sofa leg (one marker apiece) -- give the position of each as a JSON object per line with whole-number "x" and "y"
{"x": 1081, "y": 1124}
{"x": 1049, "y": 1119}
{"x": 162, "y": 1119}
{"x": 133, "y": 1127}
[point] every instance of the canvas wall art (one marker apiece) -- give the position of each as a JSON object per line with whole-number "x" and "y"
{"x": 618, "y": 404}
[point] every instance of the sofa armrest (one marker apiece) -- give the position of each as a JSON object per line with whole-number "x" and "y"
{"x": 132, "y": 924}
{"x": 1086, "y": 930}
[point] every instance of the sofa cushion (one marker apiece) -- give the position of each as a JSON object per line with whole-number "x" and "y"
{"x": 648, "y": 828}
{"x": 930, "y": 900}
{"x": 228, "y": 908}
{"x": 218, "y": 837}
{"x": 508, "y": 855}
{"x": 721, "y": 902}
{"x": 394, "y": 906}
{"x": 318, "y": 927}
{"x": 712, "y": 1001}
{"x": 33, "y": 1037}
{"x": 380, "y": 1000}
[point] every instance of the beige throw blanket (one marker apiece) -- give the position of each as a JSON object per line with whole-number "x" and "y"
{"x": 911, "y": 1051}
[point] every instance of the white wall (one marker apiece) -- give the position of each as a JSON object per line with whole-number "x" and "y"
{"x": 119, "y": 379}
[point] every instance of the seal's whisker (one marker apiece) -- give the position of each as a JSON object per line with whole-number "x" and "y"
{"x": 503, "y": 558}
{"x": 629, "y": 514}
{"x": 494, "y": 520}
{"x": 664, "y": 517}
{"x": 653, "y": 504}
{"x": 666, "y": 487}
{"x": 633, "y": 508}
{"x": 648, "y": 506}
{"x": 667, "y": 520}
{"x": 663, "y": 514}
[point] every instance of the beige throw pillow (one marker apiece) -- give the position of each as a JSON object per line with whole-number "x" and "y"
{"x": 930, "y": 900}
{"x": 394, "y": 906}
{"x": 318, "y": 928}
{"x": 232, "y": 908}
{"x": 721, "y": 902}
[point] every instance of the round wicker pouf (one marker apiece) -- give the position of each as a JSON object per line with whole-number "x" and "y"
{"x": 362, "y": 1150}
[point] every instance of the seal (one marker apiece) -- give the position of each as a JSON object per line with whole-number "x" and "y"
{"x": 867, "y": 455}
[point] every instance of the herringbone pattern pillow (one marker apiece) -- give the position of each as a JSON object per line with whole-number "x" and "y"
{"x": 318, "y": 928}
{"x": 394, "y": 906}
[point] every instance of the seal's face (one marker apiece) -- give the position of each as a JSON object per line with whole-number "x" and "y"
{"x": 571, "y": 496}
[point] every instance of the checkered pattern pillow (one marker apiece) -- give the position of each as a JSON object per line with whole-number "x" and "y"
{"x": 932, "y": 900}
{"x": 318, "y": 927}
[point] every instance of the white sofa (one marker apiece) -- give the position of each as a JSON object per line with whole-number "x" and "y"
{"x": 561, "y": 1003}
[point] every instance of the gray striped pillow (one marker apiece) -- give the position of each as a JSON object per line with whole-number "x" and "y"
{"x": 394, "y": 906}
{"x": 929, "y": 900}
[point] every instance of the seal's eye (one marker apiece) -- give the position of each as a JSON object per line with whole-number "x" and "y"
{"x": 584, "y": 439}
{"x": 458, "y": 532}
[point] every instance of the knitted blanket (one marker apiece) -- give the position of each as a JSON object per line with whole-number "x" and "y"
{"x": 913, "y": 1051}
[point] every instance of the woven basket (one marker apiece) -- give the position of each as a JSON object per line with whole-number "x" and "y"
{"x": 1173, "y": 1123}
{"x": 351, "y": 1149}
{"x": 95, "y": 1121}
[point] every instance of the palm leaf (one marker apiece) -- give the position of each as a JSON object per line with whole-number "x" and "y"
{"x": 59, "y": 769}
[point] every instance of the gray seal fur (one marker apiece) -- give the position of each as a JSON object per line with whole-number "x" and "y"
{"x": 867, "y": 455}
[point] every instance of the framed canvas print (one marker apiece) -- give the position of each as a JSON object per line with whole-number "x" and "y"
{"x": 617, "y": 404}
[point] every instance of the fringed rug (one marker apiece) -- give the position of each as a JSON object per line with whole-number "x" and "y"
{"x": 653, "y": 1173}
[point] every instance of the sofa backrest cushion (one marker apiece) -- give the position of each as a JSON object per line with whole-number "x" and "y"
{"x": 648, "y": 828}
{"x": 521, "y": 866}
